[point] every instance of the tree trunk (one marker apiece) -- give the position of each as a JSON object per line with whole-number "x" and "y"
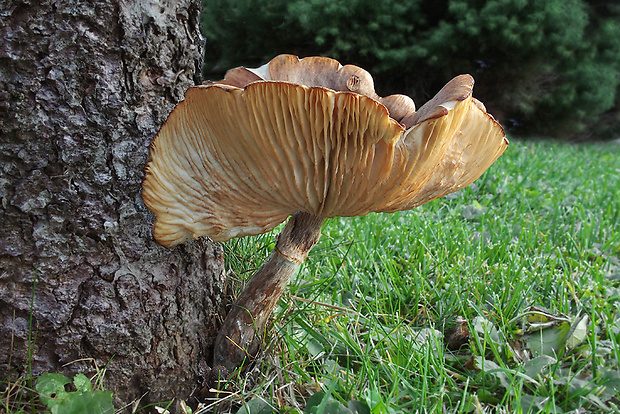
{"x": 84, "y": 86}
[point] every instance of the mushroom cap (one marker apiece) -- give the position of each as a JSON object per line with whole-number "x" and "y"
{"x": 238, "y": 156}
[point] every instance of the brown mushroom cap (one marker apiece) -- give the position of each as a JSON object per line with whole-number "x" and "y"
{"x": 237, "y": 157}
{"x": 320, "y": 72}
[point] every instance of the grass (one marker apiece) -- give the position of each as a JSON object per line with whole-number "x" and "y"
{"x": 471, "y": 303}
{"x": 503, "y": 297}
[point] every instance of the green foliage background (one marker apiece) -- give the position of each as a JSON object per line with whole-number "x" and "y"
{"x": 543, "y": 67}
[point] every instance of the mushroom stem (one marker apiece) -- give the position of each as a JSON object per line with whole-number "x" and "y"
{"x": 241, "y": 335}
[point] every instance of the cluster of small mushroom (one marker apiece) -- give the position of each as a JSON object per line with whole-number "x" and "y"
{"x": 310, "y": 139}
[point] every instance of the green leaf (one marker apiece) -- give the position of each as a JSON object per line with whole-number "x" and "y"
{"x": 534, "y": 404}
{"x": 51, "y": 388}
{"x": 614, "y": 277}
{"x": 549, "y": 334}
{"x": 578, "y": 332}
{"x": 487, "y": 396}
{"x": 48, "y": 384}
{"x": 547, "y": 341}
{"x": 484, "y": 326}
{"x": 495, "y": 370}
{"x": 323, "y": 403}
{"x": 82, "y": 383}
{"x": 97, "y": 402}
{"x": 611, "y": 384}
{"x": 256, "y": 406}
{"x": 314, "y": 401}
{"x": 536, "y": 366}
{"x": 578, "y": 387}
{"x": 376, "y": 403}
{"x": 358, "y": 407}
{"x": 101, "y": 402}
{"x": 336, "y": 407}
{"x": 540, "y": 318}
{"x": 472, "y": 212}
{"x": 315, "y": 348}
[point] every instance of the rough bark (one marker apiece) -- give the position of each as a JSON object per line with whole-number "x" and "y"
{"x": 84, "y": 86}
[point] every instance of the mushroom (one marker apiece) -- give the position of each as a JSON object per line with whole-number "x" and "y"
{"x": 310, "y": 139}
